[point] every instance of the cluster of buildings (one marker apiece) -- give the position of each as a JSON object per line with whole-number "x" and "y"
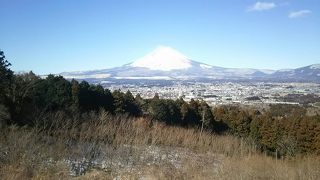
{"x": 220, "y": 92}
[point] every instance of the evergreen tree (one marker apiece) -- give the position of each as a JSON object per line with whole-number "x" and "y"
{"x": 207, "y": 116}
{"x": 5, "y": 82}
{"x": 84, "y": 97}
{"x": 5, "y": 77}
{"x": 159, "y": 110}
{"x": 184, "y": 110}
{"x": 142, "y": 104}
{"x": 119, "y": 103}
{"x": 22, "y": 106}
{"x": 131, "y": 106}
{"x": 108, "y": 100}
{"x": 194, "y": 116}
{"x": 75, "y": 91}
{"x": 125, "y": 103}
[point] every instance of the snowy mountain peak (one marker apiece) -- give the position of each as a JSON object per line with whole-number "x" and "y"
{"x": 163, "y": 58}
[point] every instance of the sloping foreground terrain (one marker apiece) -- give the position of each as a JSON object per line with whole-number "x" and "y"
{"x": 109, "y": 147}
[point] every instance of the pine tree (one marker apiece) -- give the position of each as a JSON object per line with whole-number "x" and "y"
{"x": 6, "y": 76}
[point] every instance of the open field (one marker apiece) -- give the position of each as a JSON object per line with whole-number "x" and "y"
{"x": 108, "y": 147}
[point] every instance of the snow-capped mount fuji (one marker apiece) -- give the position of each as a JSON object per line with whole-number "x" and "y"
{"x": 166, "y": 63}
{"x": 164, "y": 59}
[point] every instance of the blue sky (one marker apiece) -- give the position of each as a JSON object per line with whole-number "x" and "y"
{"x": 54, "y": 36}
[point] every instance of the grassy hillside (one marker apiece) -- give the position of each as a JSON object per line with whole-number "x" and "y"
{"x": 106, "y": 147}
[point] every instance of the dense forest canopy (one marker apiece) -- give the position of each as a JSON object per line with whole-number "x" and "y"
{"x": 26, "y": 98}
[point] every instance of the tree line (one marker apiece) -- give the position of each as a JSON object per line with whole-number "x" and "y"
{"x": 284, "y": 129}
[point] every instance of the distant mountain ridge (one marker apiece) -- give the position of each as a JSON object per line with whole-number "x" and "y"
{"x": 165, "y": 63}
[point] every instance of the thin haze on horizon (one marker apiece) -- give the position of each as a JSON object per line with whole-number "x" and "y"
{"x": 57, "y": 36}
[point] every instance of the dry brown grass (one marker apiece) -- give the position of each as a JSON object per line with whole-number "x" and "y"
{"x": 133, "y": 148}
{"x": 262, "y": 167}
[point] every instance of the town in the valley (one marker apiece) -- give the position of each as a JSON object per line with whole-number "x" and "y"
{"x": 217, "y": 93}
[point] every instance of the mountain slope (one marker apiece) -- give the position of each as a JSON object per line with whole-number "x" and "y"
{"x": 311, "y": 73}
